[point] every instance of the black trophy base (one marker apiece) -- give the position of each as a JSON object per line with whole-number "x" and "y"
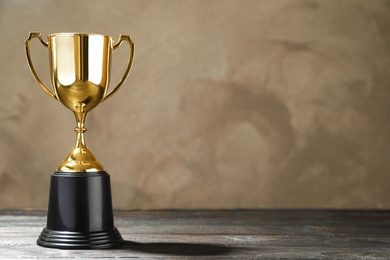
{"x": 80, "y": 240}
{"x": 80, "y": 212}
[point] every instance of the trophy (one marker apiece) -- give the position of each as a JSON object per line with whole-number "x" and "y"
{"x": 80, "y": 205}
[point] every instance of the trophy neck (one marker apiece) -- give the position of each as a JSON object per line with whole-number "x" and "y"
{"x": 80, "y": 120}
{"x": 80, "y": 129}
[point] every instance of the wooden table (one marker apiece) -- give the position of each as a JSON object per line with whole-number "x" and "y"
{"x": 240, "y": 234}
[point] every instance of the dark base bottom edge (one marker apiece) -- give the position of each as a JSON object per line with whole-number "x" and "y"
{"x": 80, "y": 240}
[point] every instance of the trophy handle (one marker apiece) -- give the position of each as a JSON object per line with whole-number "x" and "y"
{"x": 28, "y": 43}
{"x": 130, "y": 62}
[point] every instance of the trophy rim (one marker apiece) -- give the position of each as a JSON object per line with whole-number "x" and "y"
{"x": 72, "y": 34}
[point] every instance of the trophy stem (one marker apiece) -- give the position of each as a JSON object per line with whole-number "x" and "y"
{"x": 80, "y": 159}
{"x": 80, "y": 129}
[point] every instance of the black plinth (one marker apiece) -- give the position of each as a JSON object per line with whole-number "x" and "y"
{"x": 80, "y": 212}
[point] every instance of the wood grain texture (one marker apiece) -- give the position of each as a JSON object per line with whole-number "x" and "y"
{"x": 243, "y": 234}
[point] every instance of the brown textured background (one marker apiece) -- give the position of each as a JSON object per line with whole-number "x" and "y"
{"x": 230, "y": 104}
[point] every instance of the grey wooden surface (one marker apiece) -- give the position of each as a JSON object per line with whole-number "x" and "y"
{"x": 240, "y": 234}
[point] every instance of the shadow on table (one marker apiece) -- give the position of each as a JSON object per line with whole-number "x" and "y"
{"x": 179, "y": 249}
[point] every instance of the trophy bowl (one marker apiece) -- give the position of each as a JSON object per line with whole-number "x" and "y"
{"x": 80, "y": 205}
{"x": 80, "y": 67}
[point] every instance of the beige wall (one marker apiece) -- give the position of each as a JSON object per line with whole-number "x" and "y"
{"x": 230, "y": 104}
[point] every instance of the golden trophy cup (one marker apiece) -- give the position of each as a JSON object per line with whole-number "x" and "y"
{"x": 80, "y": 205}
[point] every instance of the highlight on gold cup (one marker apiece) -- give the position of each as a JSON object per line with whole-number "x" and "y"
{"x": 80, "y": 65}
